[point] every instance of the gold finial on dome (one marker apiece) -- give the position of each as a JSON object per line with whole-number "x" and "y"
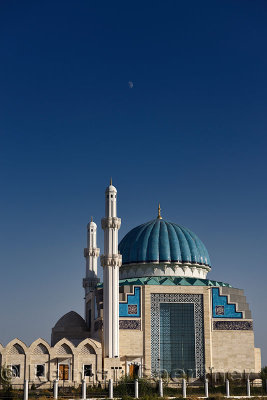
{"x": 91, "y": 219}
{"x": 111, "y": 181}
{"x": 159, "y": 212}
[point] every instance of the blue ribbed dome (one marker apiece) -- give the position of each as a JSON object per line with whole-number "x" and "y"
{"x": 162, "y": 241}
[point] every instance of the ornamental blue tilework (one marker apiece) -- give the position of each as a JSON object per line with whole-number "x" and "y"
{"x": 162, "y": 241}
{"x": 221, "y": 308}
{"x": 132, "y": 307}
{"x": 177, "y": 298}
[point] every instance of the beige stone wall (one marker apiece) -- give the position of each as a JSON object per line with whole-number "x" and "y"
{"x": 113, "y": 368}
{"x": 131, "y": 343}
{"x": 89, "y": 351}
{"x": 86, "y": 360}
{"x": 39, "y": 359}
{"x": 257, "y": 353}
{"x": 233, "y": 351}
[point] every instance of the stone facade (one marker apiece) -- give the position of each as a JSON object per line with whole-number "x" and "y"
{"x": 27, "y": 362}
{"x": 227, "y": 349}
{"x": 228, "y": 343}
{"x": 162, "y": 314}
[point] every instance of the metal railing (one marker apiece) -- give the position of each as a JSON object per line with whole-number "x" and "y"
{"x": 135, "y": 388}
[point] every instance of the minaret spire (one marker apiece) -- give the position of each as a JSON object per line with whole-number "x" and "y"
{"x": 111, "y": 261}
{"x": 91, "y": 254}
{"x": 159, "y": 212}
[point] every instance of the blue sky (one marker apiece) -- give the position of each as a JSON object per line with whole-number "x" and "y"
{"x": 190, "y": 133}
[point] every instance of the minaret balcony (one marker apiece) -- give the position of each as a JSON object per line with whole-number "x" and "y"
{"x": 111, "y": 223}
{"x": 112, "y": 260}
{"x": 94, "y": 252}
{"x": 90, "y": 283}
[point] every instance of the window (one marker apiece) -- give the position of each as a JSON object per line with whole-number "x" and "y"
{"x": 15, "y": 371}
{"x": 177, "y": 338}
{"x": 87, "y": 370}
{"x": 40, "y": 370}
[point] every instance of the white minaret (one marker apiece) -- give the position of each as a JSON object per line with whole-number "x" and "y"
{"x": 91, "y": 254}
{"x": 111, "y": 261}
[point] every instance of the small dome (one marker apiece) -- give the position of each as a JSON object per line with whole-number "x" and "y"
{"x": 162, "y": 241}
{"x": 71, "y": 319}
{"x": 111, "y": 188}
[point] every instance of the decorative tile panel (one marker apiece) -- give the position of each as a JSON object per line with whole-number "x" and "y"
{"x": 221, "y": 308}
{"x": 232, "y": 325}
{"x": 123, "y": 324}
{"x": 131, "y": 308}
{"x": 176, "y": 280}
{"x": 130, "y": 324}
{"x": 197, "y": 300}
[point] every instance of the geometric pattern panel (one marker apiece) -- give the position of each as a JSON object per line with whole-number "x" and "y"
{"x": 64, "y": 349}
{"x": 123, "y": 324}
{"x": 130, "y": 324}
{"x": 16, "y": 349}
{"x": 232, "y": 325}
{"x": 40, "y": 349}
{"x": 198, "y": 317}
{"x": 87, "y": 349}
{"x": 221, "y": 308}
{"x": 131, "y": 308}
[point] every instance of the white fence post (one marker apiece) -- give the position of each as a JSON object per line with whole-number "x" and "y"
{"x": 55, "y": 389}
{"x": 184, "y": 388}
{"x": 160, "y": 388}
{"x": 136, "y": 395}
{"x": 206, "y": 388}
{"x": 227, "y": 387}
{"x": 83, "y": 389}
{"x": 110, "y": 389}
{"x": 26, "y": 390}
{"x": 248, "y": 387}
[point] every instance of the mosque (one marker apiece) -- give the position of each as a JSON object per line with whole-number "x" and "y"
{"x": 156, "y": 310}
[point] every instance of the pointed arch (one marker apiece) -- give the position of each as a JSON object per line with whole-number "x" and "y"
{"x": 17, "y": 344}
{"x": 63, "y": 347}
{"x": 89, "y": 344}
{"x": 39, "y": 346}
